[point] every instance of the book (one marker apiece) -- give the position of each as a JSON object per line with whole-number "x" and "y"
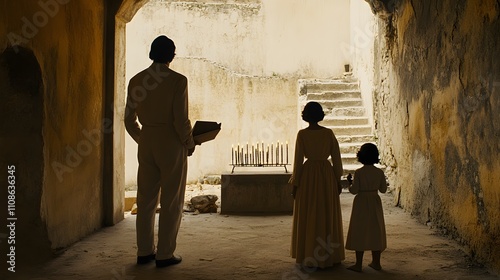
{"x": 204, "y": 131}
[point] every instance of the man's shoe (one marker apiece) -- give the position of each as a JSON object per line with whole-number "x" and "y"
{"x": 145, "y": 259}
{"x": 168, "y": 262}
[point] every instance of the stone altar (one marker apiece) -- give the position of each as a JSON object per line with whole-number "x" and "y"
{"x": 256, "y": 193}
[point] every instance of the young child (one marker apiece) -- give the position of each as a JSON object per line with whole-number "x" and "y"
{"x": 317, "y": 236}
{"x": 367, "y": 226}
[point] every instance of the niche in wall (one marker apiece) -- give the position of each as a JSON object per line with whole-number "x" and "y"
{"x": 21, "y": 149}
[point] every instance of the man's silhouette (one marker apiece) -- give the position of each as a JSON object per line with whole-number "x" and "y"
{"x": 158, "y": 98}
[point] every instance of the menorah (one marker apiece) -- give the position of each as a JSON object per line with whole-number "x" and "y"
{"x": 260, "y": 155}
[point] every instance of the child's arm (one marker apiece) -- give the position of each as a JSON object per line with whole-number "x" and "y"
{"x": 383, "y": 183}
{"x": 354, "y": 188}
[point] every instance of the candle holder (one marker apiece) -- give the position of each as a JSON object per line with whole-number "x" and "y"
{"x": 260, "y": 155}
{"x": 284, "y": 165}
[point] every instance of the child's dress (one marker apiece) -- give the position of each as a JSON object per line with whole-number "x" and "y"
{"x": 317, "y": 235}
{"x": 367, "y": 227}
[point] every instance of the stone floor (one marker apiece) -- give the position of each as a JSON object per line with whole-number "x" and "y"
{"x": 215, "y": 246}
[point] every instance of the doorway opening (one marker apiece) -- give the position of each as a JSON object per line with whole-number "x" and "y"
{"x": 244, "y": 62}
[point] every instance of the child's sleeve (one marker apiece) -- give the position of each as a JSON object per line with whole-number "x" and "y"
{"x": 383, "y": 183}
{"x": 298, "y": 161}
{"x": 354, "y": 188}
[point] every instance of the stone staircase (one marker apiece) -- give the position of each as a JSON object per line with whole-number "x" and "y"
{"x": 345, "y": 114}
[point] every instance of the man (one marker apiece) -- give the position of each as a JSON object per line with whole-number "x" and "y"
{"x": 158, "y": 98}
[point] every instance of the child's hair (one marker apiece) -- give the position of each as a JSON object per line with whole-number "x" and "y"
{"x": 313, "y": 112}
{"x": 368, "y": 154}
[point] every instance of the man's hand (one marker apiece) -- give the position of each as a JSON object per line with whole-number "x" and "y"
{"x": 190, "y": 151}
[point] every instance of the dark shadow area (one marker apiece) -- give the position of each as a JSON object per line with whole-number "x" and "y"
{"x": 21, "y": 157}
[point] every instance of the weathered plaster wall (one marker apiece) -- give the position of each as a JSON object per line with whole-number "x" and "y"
{"x": 280, "y": 37}
{"x": 363, "y": 28}
{"x": 250, "y": 108}
{"x": 438, "y": 103}
{"x": 243, "y": 57}
{"x": 66, "y": 38}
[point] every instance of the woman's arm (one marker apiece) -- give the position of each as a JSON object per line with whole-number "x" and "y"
{"x": 338, "y": 169}
{"x": 298, "y": 162}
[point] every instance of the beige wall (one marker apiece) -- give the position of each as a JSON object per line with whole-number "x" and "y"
{"x": 439, "y": 117}
{"x": 66, "y": 38}
{"x": 361, "y": 50}
{"x": 242, "y": 59}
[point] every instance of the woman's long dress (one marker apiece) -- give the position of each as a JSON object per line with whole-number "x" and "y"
{"x": 317, "y": 235}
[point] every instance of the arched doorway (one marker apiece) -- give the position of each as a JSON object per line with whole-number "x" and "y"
{"x": 114, "y": 143}
{"x": 21, "y": 152}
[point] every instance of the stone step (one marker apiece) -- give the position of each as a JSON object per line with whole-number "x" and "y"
{"x": 349, "y": 159}
{"x": 349, "y": 148}
{"x": 352, "y": 147}
{"x": 346, "y": 112}
{"x": 352, "y": 130}
{"x": 355, "y": 138}
{"x": 350, "y": 168}
{"x": 339, "y": 121}
{"x": 321, "y": 86}
{"x": 130, "y": 199}
{"x": 343, "y": 103}
{"x": 333, "y": 95}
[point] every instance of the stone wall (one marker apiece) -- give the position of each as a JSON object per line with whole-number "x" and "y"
{"x": 55, "y": 137}
{"x": 362, "y": 32}
{"x": 258, "y": 38}
{"x": 438, "y": 116}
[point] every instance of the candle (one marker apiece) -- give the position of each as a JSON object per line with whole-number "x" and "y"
{"x": 286, "y": 152}
{"x": 267, "y": 154}
{"x": 282, "y": 153}
{"x": 272, "y": 152}
{"x": 278, "y": 152}
{"x": 253, "y": 155}
{"x": 257, "y": 151}
{"x": 262, "y": 152}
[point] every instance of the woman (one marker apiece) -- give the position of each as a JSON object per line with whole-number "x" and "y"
{"x": 317, "y": 236}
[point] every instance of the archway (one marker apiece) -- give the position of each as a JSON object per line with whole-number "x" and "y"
{"x": 114, "y": 162}
{"x": 21, "y": 152}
